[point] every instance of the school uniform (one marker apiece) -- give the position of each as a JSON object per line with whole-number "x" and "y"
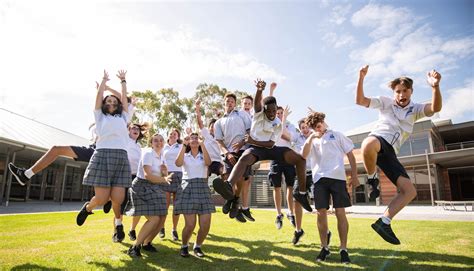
{"x": 109, "y": 165}
{"x": 393, "y": 128}
{"x": 194, "y": 195}
{"x": 134, "y": 153}
{"x": 212, "y": 148}
{"x": 170, "y": 153}
{"x": 147, "y": 198}
{"x": 280, "y": 168}
{"x": 298, "y": 147}
{"x": 329, "y": 175}
{"x": 231, "y": 128}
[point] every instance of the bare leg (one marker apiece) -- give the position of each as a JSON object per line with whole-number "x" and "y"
{"x": 51, "y": 155}
{"x": 342, "y": 226}
{"x": 154, "y": 231}
{"x": 289, "y": 199}
{"x": 298, "y": 215}
{"x": 175, "y": 217}
{"x": 135, "y": 221}
{"x": 370, "y": 148}
{"x": 245, "y": 192}
{"x": 277, "y": 199}
{"x": 102, "y": 195}
{"x": 293, "y": 158}
{"x": 147, "y": 228}
{"x": 406, "y": 195}
{"x": 189, "y": 225}
{"x": 239, "y": 169}
{"x": 117, "y": 195}
{"x": 323, "y": 226}
{"x": 204, "y": 226}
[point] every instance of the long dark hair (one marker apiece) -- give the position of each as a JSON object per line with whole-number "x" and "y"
{"x": 143, "y": 130}
{"x": 188, "y": 147}
{"x": 118, "y": 110}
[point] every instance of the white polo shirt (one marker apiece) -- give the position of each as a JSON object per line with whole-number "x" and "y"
{"x": 211, "y": 145}
{"x": 150, "y": 158}
{"x": 327, "y": 155}
{"x": 111, "y": 130}
{"x": 170, "y": 153}
{"x": 293, "y": 135}
{"x": 265, "y": 130}
{"x": 232, "y": 127}
{"x": 395, "y": 123}
{"x": 194, "y": 167}
{"x": 298, "y": 146}
{"x": 134, "y": 152}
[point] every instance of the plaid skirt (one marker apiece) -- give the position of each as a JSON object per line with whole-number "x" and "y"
{"x": 108, "y": 168}
{"x": 146, "y": 198}
{"x": 175, "y": 182}
{"x": 194, "y": 197}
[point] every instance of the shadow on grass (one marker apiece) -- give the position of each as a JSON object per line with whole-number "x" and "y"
{"x": 28, "y": 266}
{"x": 233, "y": 253}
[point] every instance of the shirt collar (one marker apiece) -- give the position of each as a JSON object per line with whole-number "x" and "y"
{"x": 233, "y": 111}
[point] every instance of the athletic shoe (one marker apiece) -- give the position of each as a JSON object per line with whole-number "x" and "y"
{"x": 385, "y": 231}
{"x": 226, "y": 206}
{"x": 134, "y": 251}
{"x": 224, "y": 188}
{"x": 174, "y": 233}
{"x": 107, "y": 207}
{"x": 161, "y": 234}
{"x": 234, "y": 208}
{"x": 150, "y": 248}
{"x": 248, "y": 215}
{"x": 198, "y": 252}
{"x": 184, "y": 252}
{"x": 374, "y": 191}
{"x": 82, "y": 215}
{"x": 119, "y": 234}
{"x": 133, "y": 235}
{"x": 292, "y": 219}
{"x": 18, "y": 173}
{"x": 279, "y": 221}
{"x": 329, "y": 237}
{"x": 303, "y": 200}
{"x": 297, "y": 236}
{"x": 240, "y": 217}
{"x": 345, "y": 257}
{"x": 323, "y": 255}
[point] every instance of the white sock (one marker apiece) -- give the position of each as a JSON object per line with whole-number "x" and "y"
{"x": 386, "y": 220}
{"x": 328, "y": 231}
{"x": 342, "y": 249}
{"x": 118, "y": 222}
{"x": 29, "y": 173}
{"x": 302, "y": 193}
{"x": 371, "y": 176}
{"x": 245, "y": 208}
{"x": 326, "y": 248}
{"x": 184, "y": 246}
{"x": 196, "y": 246}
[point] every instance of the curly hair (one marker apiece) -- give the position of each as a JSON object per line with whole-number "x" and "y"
{"x": 314, "y": 118}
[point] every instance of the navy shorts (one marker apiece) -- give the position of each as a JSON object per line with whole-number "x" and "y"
{"x": 277, "y": 170}
{"x": 388, "y": 162}
{"x": 83, "y": 154}
{"x": 228, "y": 165}
{"x": 215, "y": 168}
{"x": 326, "y": 187}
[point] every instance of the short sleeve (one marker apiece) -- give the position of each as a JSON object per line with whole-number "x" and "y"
{"x": 219, "y": 134}
{"x": 346, "y": 143}
{"x": 147, "y": 159}
{"x": 98, "y": 116}
{"x": 419, "y": 111}
{"x": 205, "y": 133}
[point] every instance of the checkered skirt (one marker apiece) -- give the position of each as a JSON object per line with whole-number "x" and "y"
{"x": 194, "y": 197}
{"x": 175, "y": 182}
{"x": 146, "y": 198}
{"x": 108, "y": 168}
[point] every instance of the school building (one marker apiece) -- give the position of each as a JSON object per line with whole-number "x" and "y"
{"x": 439, "y": 157}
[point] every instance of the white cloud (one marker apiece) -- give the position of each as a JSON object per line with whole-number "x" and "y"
{"x": 401, "y": 45}
{"x": 56, "y": 50}
{"x": 338, "y": 41}
{"x": 339, "y": 13}
{"x": 324, "y": 83}
{"x": 459, "y": 101}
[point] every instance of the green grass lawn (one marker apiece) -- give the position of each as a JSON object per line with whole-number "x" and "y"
{"x": 53, "y": 241}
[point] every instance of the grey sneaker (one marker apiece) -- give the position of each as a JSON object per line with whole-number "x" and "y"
{"x": 292, "y": 219}
{"x": 279, "y": 221}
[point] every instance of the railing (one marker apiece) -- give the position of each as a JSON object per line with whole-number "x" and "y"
{"x": 459, "y": 145}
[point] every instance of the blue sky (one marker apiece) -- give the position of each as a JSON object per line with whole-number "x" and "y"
{"x": 312, "y": 49}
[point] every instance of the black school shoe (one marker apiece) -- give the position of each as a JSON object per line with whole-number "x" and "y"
{"x": 224, "y": 188}
{"x": 323, "y": 255}
{"x": 345, "y": 257}
{"x": 161, "y": 234}
{"x": 279, "y": 221}
{"x": 82, "y": 215}
{"x": 303, "y": 200}
{"x": 119, "y": 234}
{"x": 226, "y": 206}
{"x": 198, "y": 252}
{"x": 134, "y": 251}
{"x": 149, "y": 247}
{"x": 234, "y": 208}
{"x": 240, "y": 216}
{"x": 292, "y": 219}
{"x": 374, "y": 188}
{"x": 297, "y": 236}
{"x": 107, "y": 207}
{"x": 184, "y": 252}
{"x": 247, "y": 214}
{"x": 18, "y": 173}
{"x": 329, "y": 237}
{"x": 175, "y": 235}
{"x": 385, "y": 231}
{"x": 133, "y": 235}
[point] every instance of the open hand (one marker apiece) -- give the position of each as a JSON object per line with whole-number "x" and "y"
{"x": 260, "y": 84}
{"x": 121, "y": 74}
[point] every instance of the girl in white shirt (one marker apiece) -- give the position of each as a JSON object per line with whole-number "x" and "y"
{"x": 194, "y": 196}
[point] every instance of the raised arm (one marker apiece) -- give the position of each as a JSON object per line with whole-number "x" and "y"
{"x": 433, "y": 78}
{"x": 286, "y": 135}
{"x": 123, "y": 98}
{"x": 100, "y": 91}
{"x": 198, "y": 113}
{"x": 207, "y": 158}
{"x": 360, "y": 97}
{"x": 308, "y": 145}
{"x": 257, "y": 104}
{"x": 180, "y": 159}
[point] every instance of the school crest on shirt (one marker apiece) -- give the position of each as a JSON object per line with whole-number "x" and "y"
{"x": 332, "y": 137}
{"x": 410, "y": 110}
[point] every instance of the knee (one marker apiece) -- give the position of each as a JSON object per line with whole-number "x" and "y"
{"x": 340, "y": 213}
{"x": 411, "y": 192}
{"x": 322, "y": 213}
{"x": 369, "y": 145}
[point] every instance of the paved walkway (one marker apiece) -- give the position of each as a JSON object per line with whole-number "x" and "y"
{"x": 412, "y": 212}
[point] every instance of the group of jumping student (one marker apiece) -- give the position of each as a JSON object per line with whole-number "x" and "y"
{"x": 227, "y": 150}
